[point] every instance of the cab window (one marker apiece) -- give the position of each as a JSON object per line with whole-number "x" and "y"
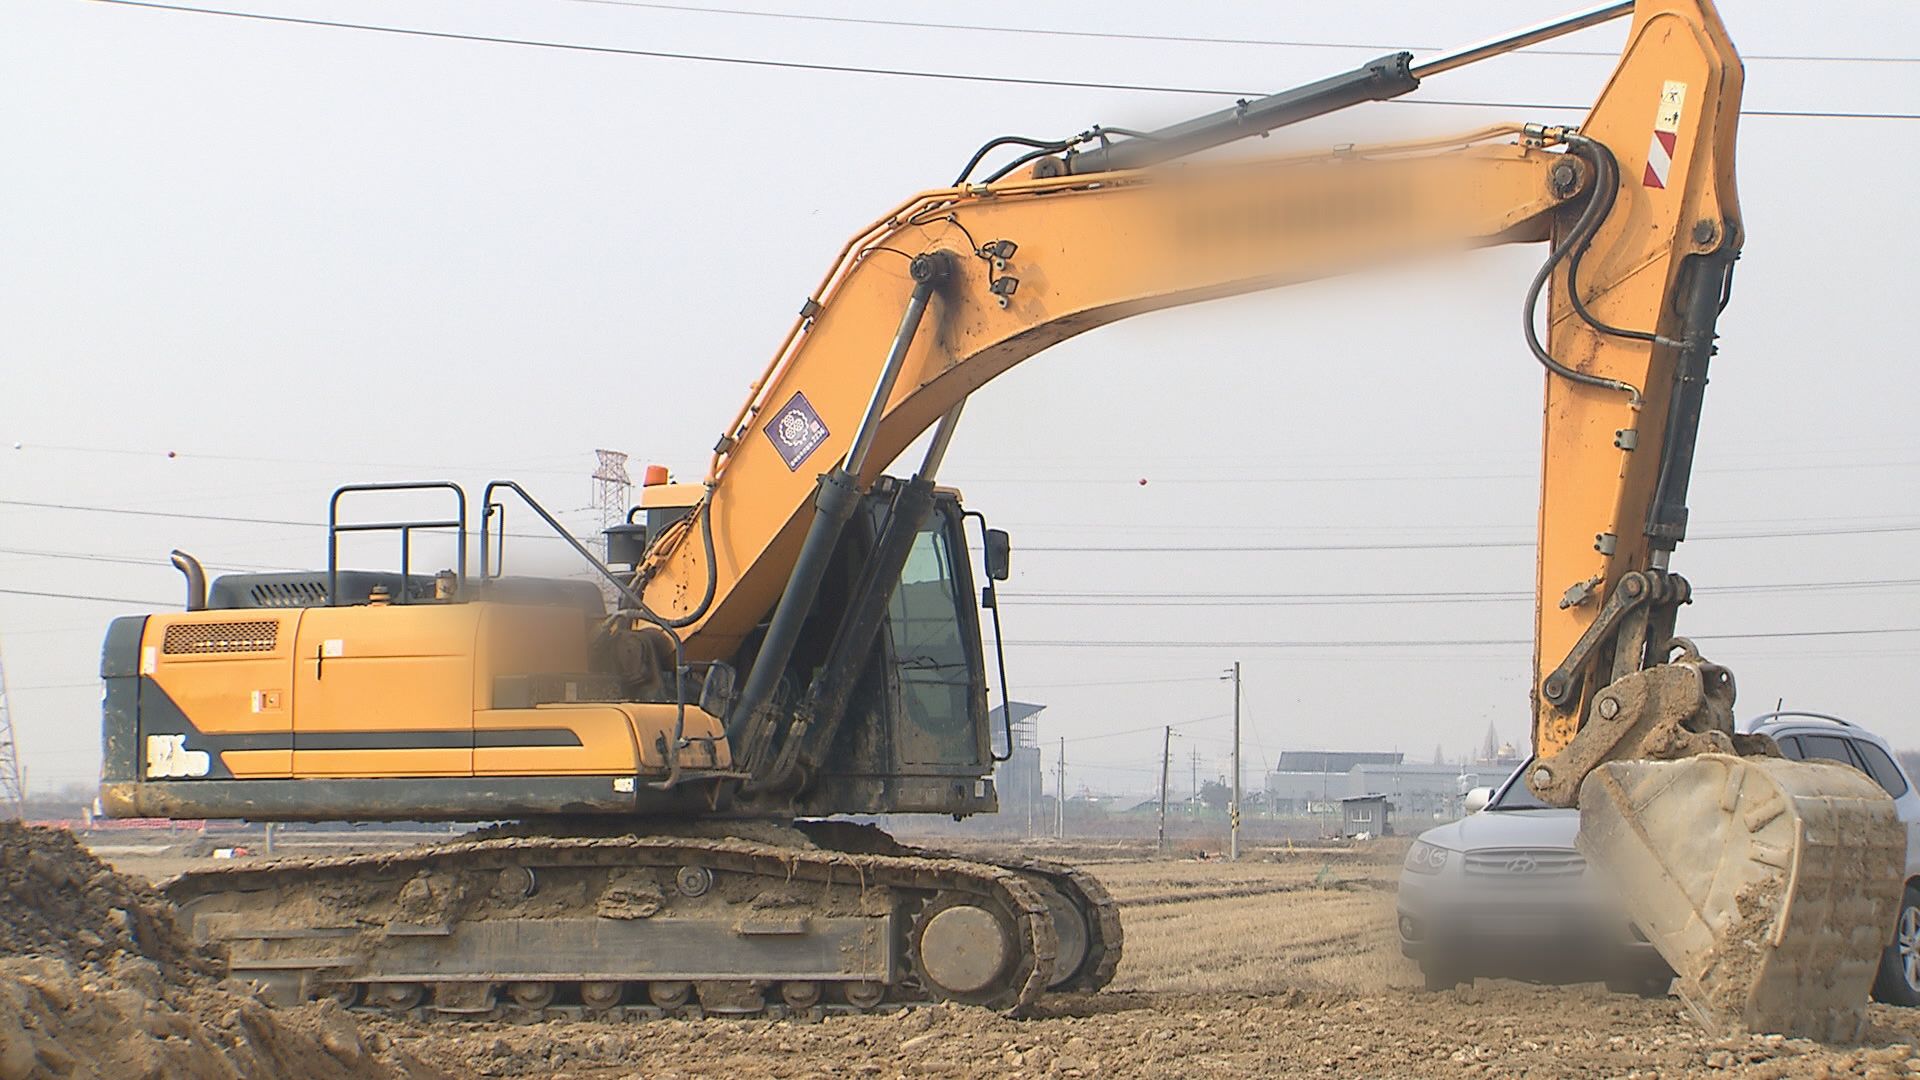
{"x": 931, "y": 654}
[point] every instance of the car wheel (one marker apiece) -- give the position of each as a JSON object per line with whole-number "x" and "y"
{"x": 1646, "y": 986}
{"x": 1437, "y": 977}
{"x": 1899, "y": 980}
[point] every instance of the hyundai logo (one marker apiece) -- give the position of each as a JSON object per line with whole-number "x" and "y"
{"x": 1522, "y": 865}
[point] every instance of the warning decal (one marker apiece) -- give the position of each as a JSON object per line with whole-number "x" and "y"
{"x": 1666, "y": 134}
{"x": 796, "y": 431}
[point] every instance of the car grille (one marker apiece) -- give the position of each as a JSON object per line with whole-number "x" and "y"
{"x": 1528, "y": 863}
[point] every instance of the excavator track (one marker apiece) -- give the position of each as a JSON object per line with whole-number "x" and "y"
{"x": 1089, "y": 914}
{"x": 828, "y": 918}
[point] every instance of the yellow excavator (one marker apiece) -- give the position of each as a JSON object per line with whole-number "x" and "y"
{"x": 795, "y": 636}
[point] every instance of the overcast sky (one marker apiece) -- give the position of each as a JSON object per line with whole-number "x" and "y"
{"x": 243, "y": 262}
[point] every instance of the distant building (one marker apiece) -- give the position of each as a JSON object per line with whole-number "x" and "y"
{"x": 1295, "y": 793}
{"x": 1366, "y": 815}
{"x": 1414, "y": 790}
{"x": 1333, "y": 761}
{"x": 1017, "y": 780}
{"x": 1316, "y": 781}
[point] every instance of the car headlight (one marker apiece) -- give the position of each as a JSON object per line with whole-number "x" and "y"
{"x": 1425, "y": 858}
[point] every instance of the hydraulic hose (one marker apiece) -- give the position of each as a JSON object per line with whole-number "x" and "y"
{"x": 1044, "y": 146}
{"x": 1588, "y": 223}
{"x": 1608, "y": 188}
{"x": 705, "y": 511}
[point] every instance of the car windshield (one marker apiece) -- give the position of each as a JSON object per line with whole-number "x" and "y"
{"x": 1516, "y": 795}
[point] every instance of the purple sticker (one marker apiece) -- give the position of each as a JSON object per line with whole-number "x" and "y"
{"x": 796, "y": 431}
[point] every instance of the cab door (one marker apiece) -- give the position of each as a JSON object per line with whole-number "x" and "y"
{"x": 934, "y": 640}
{"x": 384, "y": 690}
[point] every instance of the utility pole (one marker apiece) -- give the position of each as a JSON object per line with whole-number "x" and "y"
{"x": 1166, "y": 760}
{"x": 1194, "y": 805}
{"x": 1233, "y": 804}
{"x": 1060, "y": 783}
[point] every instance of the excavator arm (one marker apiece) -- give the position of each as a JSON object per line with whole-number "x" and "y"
{"x": 1731, "y": 859}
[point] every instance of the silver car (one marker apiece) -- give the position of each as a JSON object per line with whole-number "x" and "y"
{"x": 1502, "y": 892}
{"x": 1805, "y": 735}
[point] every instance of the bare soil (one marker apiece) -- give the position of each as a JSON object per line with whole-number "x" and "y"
{"x": 96, "y": 980}
{"x": 1282, "y": 965}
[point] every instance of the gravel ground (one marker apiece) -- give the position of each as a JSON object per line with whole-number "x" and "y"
{"x": 1283, "y": 966}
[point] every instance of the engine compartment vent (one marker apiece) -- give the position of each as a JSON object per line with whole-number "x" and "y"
{"x": 289, "y": 594}
{"x": 195, "y": 639}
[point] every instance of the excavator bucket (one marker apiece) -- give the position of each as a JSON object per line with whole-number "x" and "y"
{"x": 1769, "y": 885}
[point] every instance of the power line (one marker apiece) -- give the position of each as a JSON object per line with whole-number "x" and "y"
{"x": 1308, "y": 599}
{"x": 1153, "y": 727}
{"x": 906, "y": 73}
{"x": 1219, "y": 476}
{"x": 84, "y": 596}
{"x": 185, "y": 516}
{"x": 1119, "y": 682}
{"x": 175, "y": 514}
{"x": 1434, "y": 545}
{"x": 1413, "y": 643}
{"x": 125, "y": 560}
{"x": 1110, "y": 35}
{"x": 255, "y": 459}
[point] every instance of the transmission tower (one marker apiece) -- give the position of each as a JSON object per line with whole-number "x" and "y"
{"x": 612, "y": 494}
{"x": 612, "y": 487}
{"x": 13, "y": 794}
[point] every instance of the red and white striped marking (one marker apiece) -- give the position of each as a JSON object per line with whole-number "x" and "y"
{"x": 1660, "y": 159}
{"x": 1666, "y": 134}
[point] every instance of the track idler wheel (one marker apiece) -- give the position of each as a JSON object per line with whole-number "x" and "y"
{"x": 1770, "y": 886}
{"x": 1070, "y": 926}
{"x": 965, "y": 950}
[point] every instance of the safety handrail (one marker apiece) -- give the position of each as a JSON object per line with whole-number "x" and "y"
{"x": 404, "y": 528}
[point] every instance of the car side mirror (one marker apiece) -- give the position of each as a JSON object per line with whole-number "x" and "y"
{"x": 999, "y": 550}
{"x": 1477, "y": 800}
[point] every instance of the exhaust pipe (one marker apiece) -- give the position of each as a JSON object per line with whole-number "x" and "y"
{"x": 196, "y": 579}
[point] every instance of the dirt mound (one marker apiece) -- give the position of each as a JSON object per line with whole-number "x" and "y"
{"x": 97, "y": 979}
{"x": 63, "y": 903}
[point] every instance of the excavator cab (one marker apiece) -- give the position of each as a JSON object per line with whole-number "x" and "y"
{"x": 883, "y": 705}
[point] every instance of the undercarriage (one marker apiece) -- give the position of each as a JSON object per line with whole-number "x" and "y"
{"x": 756, "y": 919}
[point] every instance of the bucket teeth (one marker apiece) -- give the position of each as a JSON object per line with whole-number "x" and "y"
{"x": 1770, "y": 886}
